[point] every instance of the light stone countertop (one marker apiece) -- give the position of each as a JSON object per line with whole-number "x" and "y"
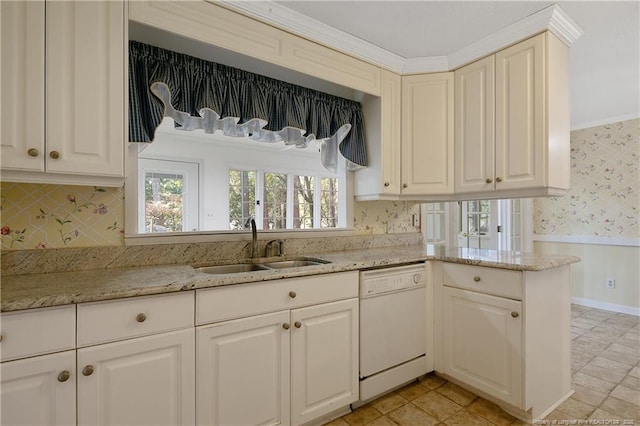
{"x": 60, "y": 288}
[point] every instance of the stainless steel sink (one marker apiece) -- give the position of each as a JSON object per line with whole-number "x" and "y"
{"x": 296, "y": 263}
{"x": 232, "y": 269}
{"x": 266, "y": 265}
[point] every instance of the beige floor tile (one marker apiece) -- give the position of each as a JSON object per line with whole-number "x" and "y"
{"x": 576, "y": 409}
{"x": 584, "y": 323}
{"x": 631, "y": 382}
{"x": 626, "y": 394}
{"x": 457, "y": 394}
{"x": 583, "y": 357}
{"x": 635, "y": 372}
{"x": 598, "y": 315}
{"x": 412, "y": 391}
{"x": 605, "y": 334}
{"x": 465, "y": 418}
{"x": 590, "y": 343}
{"x": 432, "y": 381}
{"x": 437, "y": 405}
{"x": 558, "y": 415}
{"x": 337, "y": 422}
{"x": 518, "y": 422}
{"x": 600, "y": 414}
{"x": 633, "y": 343}
{"x": 362, "y": 416}
{"x": 610, "y": 364}
{"x": 588, "y": 396}
{"x": 603, "y": 373}
{"x": 593, "y": 383}
{"x": 389, "y": 402}
{"x": 613, "y": 352}
{"x": 627, "y": 321}
{"x": 410, "y": 415}
{"x": 621, "y": 408}
{"x": 382, "y": 421}
{"x": 491, "y": 412}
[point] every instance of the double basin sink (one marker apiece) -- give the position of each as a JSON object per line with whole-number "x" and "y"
{"x": 257, "y": 265}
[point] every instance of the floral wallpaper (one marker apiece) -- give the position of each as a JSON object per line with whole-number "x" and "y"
{"x": 385, "y": 217}
{"x": 54, "y": 216}
{"x": 605, "y": 193}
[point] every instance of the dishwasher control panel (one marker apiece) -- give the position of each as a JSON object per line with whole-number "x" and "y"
{"x": 387, "y": 280}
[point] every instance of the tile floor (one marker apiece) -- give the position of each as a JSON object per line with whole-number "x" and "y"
{"x": 606, "y": 380}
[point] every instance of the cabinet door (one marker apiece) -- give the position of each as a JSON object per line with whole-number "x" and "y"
{"x": 520, "y": 115}
{"x": 483, "y": 343}
{"x": 22, "y": 86}
{"x": 474, "y": 134}
{"x": 324, "y": 360}
{"x": 36, "y": 391}
{"x": 390, "y": 132}
{"x": 243, "y": 371}
{"x": 144, "y": 381}
{"x": 85, "y": 87}
{"x": 427, "y": 134}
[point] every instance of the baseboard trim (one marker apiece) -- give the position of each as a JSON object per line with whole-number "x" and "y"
{"x": 624, "y": 309}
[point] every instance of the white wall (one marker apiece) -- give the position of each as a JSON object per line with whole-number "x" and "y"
{"x": 216, "y": 154}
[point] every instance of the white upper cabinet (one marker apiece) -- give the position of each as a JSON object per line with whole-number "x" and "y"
{"x": 410, "y": 134}
{"x": 79, "y": 88}
{"x": 22, "y": 87}
{"x": 512, "y": 121}
{"x": 427, "y": 134}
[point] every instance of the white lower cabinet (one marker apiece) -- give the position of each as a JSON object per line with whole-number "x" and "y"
{"x": 243, "y": 371}
{"x": 324, "y": 359}
{"x": 39, "y": 390}
{"x": 288, "y": 367}
{"x": 483, "y": 342}
{"x": 143, "y": 381}
{"x": 506, "y": 334}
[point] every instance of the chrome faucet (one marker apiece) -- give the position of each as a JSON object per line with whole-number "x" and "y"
{"x": 278, "y": 250}
{"x": 254, "y": 239}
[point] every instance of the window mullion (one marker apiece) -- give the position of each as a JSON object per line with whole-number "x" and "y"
{"x": 290, "y": 194}
{"x": 259, "y": 199}
{"x": 316, "y": 202}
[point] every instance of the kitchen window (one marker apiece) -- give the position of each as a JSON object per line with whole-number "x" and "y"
{"x": 280, "y": 200}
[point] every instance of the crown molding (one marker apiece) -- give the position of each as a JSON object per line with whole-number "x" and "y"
{"x": 551, "y": 18}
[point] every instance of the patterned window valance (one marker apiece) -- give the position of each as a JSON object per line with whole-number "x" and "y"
{"x": 199, "y": 94}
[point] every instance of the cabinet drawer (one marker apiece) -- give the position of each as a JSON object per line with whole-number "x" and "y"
{"x": 37, "y": 331}
{"x": 242, "y": 300}
{"x": 101, "y": 322}
{"x": 498, "y": 282}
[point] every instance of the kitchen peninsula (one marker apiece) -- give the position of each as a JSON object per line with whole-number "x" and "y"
{"x": 511, "y": 307}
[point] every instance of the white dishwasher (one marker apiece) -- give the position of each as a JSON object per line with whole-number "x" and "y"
{"x": 393, "y": 321}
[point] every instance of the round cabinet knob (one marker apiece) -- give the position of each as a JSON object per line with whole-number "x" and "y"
{"x": 297, "y": 324}
{"x": 141, "y": 318}
{"x": 33, "y": 152}
{"x": 64, "y": 376}
{"x": 386, "y": 184}
{"x": 292, "y": 294}
{"x": 286, "y": 325}
{"x": 514, "y": 314}
{"x": 88, "y": 370}
{"x": 1, "y": 337}
{"x": 404, "y": 185}
{"x": 489, "y": 180}
{"x": 416, "y": 278}
{"x": 476, "y": 278}
{"x": 498, "y": 179}
{"x": 54, "y": 154}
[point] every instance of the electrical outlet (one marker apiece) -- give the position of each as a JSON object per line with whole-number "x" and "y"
{"x": 611, "y": 283}
{"x": 416, "y": 221}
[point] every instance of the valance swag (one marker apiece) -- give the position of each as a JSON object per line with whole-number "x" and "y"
{"x": 214, "y": 97}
